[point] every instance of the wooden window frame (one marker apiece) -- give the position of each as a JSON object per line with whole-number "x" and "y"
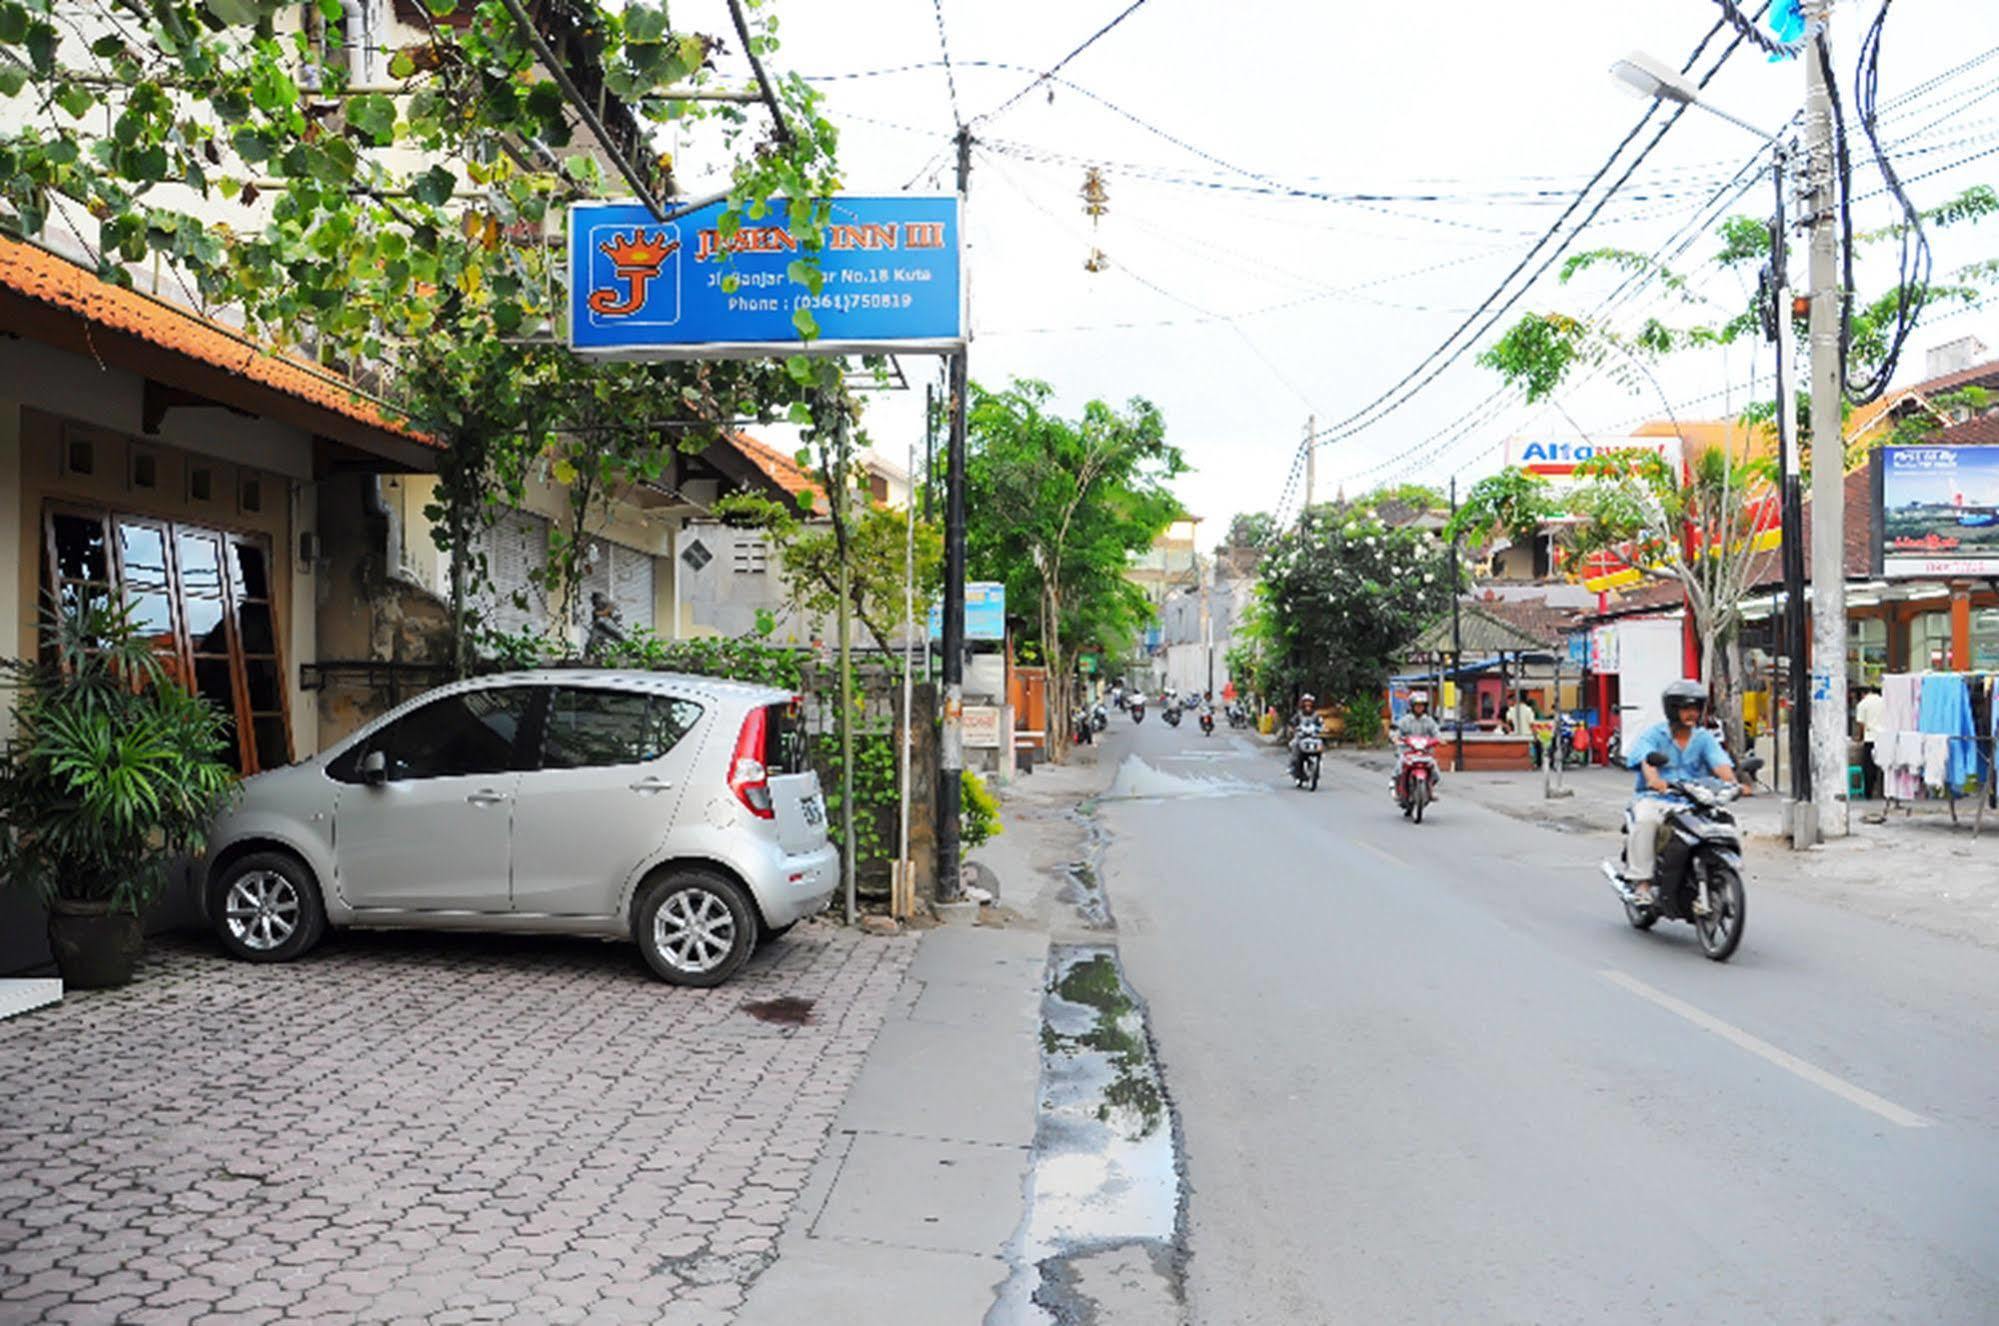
{"x": 226, "y": 540}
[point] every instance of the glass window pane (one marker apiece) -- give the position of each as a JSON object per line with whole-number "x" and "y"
{"x": 273, "y": 750}
{"x": 260, "y": 676}
{"x": 588, "y": 728}
{"x": 213, "y": 682}
{"x": 474, "y": 732}
{"x": 79, "y": 597}
{"x": 142, "y": 556}
{"x": 80, "y": 548}
{"x": 200, "y": 566}
{"x": 254, "y": 621}
{"x": 246, "y": 571}
{"x": 205, "y": 632}
{"x": 667, "y": 721}
{"x": 152, "y": 614}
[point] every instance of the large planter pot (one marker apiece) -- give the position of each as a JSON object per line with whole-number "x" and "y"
{"x": 95, "y": 945}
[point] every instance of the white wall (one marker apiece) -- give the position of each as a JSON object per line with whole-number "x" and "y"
{"x": 1648, "y": 660}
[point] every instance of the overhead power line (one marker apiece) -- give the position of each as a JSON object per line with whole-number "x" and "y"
{"x": 950, "y": 75}
{"x": 1057, "y": 67}
{"x": 1498, "y": 303}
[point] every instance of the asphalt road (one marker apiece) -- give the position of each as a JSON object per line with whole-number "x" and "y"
{"x": 1428, "y": 1073}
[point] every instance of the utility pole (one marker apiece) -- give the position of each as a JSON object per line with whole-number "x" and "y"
{"x": 1800, "y": 823}
{"x": 1457, "y": 640}
{"x": 1828, "y": 680}
{"x": 951, "y": 743}
{"x": 1311, "y": 464}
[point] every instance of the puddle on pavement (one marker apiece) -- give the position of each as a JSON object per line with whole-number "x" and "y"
{"x": 787, "y": 1010}
{"x": 1138, "y": 781}
{"x": 1105, "y": 1188}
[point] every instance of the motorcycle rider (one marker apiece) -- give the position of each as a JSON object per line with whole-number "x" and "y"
{"x": 1691, "y": 752}
{"x": 1418, "y": 722}
{"x": 1305, "y": 719}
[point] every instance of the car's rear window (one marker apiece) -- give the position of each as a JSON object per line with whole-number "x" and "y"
{"x": 787, "y": 750}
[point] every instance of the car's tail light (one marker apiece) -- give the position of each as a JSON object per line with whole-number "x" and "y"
{"x": 748, "y": 778}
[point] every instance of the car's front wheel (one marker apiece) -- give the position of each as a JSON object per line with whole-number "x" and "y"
{"x": 266, "y": 907}
{"x": 695, "y": 927}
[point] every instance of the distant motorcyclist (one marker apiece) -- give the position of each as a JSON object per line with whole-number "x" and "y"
{"x": 1417, "y": 722}
{"x": 1691, "y": 752}
{"x": 1305, "y": 719}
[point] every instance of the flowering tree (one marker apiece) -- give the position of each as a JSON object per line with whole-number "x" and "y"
{"x": 1343, "y": 597}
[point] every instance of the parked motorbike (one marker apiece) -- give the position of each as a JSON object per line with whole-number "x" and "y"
{"x": 1081, "y": 731}
{"x": 1415, "y": 775}
{"x": 1099, "y": 720}
{"x": 1698, "y": 878}
{"x": 1207, "y": 722}
{"x": 1311, "y": 748}
{"x": 1238, "y": 716}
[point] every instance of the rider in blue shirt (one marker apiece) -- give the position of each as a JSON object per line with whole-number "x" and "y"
{"x": 1691, "y": 752}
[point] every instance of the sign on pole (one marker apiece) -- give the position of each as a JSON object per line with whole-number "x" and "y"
{"x": 985, "y": 611}
{"x": 1939, "y": 511}
{"x": 643, "y": 290}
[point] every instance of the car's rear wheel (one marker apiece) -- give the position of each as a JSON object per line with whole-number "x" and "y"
{"x": 695, "y": 927}
{"x": 266, "y": 907}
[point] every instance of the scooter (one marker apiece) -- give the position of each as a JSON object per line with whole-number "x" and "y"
{"x": 1172, "y": 714}
{"x": 1415, "y": 775}
{"x": 1305, "y": 771}
{"x": 1207, "y": 722}
{"x": 1137, "y": 711}
{"x": 1081, "y": 731}
{"x": 1099, "y": 720}
{"x": 1238, "y": 716}
{"x": 1698, "y": 877}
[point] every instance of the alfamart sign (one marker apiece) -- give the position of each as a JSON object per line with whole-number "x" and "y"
{"x": 639, "y": 289}
{"x": 1557, "y": 458}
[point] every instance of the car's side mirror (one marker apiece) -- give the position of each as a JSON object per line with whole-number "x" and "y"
{"x": 374, "y": 768}
{"x": 1657, "y": 759}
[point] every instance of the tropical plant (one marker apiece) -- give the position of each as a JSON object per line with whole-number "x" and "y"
{"x": 114, "y": 772}
{"x": 1055, "y": 509}
{"x": 1343, "y": 598}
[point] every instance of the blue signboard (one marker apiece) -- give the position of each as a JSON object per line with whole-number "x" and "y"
{"x": 985, "y": 612}
{"x": 640, "y": 289}
{"x": 1579, "y": 648}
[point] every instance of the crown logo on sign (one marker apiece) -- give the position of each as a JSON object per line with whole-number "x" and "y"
{"x": 642, "y": 252}
{"x": 636, "y": 260}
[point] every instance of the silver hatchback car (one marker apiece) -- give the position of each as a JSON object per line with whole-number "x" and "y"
{"x": 681, "y": 812}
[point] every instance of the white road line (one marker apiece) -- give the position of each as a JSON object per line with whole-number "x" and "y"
{"x": 1383, "y": 853}
{"x": 1762, "y": 1049}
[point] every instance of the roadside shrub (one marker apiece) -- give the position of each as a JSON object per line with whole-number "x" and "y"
{"x": 1363, "y": 719}
{"x": 978, "y": 811}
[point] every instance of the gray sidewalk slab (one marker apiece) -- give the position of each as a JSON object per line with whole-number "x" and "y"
{"x": 907, "y": 1215}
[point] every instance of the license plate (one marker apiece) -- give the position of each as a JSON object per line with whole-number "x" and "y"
{"x": 815, "y": 811}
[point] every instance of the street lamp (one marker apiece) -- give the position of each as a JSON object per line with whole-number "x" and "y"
{"x": 1649, "y": 77}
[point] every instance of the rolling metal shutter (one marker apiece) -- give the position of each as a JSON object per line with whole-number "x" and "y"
{"x": 515, "y": 546}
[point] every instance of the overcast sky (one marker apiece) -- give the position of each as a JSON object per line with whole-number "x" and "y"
{"x": 1240, "y": 312}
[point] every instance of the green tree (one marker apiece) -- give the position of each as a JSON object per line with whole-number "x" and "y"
{"x": 1343, "y": 597}
{"x": 400, "y": 236}
{"x": 1251, "y": 529}
{"x": 1056, "y": 508}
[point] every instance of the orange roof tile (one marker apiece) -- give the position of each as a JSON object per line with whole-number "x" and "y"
{"x": 45, "y": 278}
{"x": 781, "y": 469}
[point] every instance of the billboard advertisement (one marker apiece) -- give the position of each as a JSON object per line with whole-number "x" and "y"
{"x": 641, "y": 289}
{"x": 1939, "y": 511}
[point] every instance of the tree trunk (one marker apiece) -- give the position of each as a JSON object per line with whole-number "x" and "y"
{"x": 1055, "y": 717}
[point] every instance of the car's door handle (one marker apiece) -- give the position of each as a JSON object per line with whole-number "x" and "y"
{"x": 651, "y": 785}
{"x": 486, "y": 797}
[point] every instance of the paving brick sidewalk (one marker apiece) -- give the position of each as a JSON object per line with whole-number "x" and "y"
{"x": 431, "y": 1128}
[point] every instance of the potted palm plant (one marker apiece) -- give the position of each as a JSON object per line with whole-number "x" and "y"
{"x": 111, "y": 776}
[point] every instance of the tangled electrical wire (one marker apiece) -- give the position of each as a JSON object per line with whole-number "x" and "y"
{"x": 1912, "y": 282}
{"x": 1746, "y": 25}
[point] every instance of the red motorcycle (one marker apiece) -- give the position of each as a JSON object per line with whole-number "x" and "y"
{"x": 1415, "y": 775}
